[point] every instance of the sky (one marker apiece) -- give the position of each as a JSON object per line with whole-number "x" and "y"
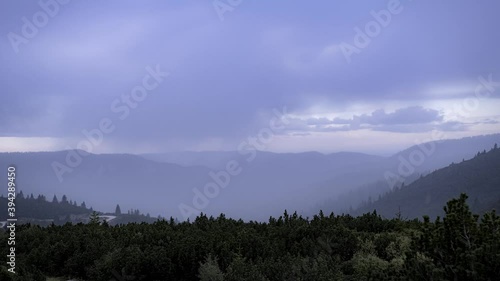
{"x": 157, "y": 76}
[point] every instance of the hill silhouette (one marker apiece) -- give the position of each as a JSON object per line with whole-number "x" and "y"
{"x": 479, "y": 177}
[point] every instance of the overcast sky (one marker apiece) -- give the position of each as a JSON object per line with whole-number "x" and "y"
{"x": 231, "y": 66}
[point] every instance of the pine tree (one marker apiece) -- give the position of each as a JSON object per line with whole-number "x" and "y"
{"x": 83, "y": 205}
{"x": 398, "y": 214}
{"x": 20, "y": 195}
{"x": 118, "y": 211}
{"x": 209, "y": 270}
{"x": 458, "y": 236}
{"x": 54, "y": 199}
{"x": 94, "y": 218}
{"x": 64, "y": 199}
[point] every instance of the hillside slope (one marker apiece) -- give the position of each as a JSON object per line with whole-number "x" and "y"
{"x": 479, "y": 177}
{"x": 38, "y": 210}
{"x": 105, "y": 179}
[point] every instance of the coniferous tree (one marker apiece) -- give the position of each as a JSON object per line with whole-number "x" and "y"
{"x": 94, "y": 218}
{"x": 54, "y": 199}
{"x": 83, "y": 205}
{"x": 118, "y": 211}
{"x": 64, "y": 199}
{"x": 209, "y": 270}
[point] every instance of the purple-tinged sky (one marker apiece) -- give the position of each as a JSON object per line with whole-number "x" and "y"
{"x": 370, "y": 76}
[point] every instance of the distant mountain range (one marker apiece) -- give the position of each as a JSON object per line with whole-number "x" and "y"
{"x": 102, "y": 180}
{"x": 478, "y": 177}
{"x": 265, "y": 185}
{"x": 406, "y": 166}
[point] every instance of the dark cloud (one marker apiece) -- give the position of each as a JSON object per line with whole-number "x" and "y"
{"x": 409, "y": 115}
{"x": 451, "y": 126}
{"x": 224, "y": 74}
{"x": 415, "y": 119}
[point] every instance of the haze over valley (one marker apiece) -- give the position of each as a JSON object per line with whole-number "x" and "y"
{"x": 263, "y": 183}
{"x": 234, "y": 140}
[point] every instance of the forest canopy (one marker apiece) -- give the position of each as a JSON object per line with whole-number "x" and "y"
{"x": 460, "y": 246}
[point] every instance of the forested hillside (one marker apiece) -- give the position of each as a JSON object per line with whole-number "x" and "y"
{"x": 39, "y": 210}
{"x": 459, "y": 247}
{"x": 479, "y": 177}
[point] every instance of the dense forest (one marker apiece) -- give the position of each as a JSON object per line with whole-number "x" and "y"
{"x": 460, "y": 246}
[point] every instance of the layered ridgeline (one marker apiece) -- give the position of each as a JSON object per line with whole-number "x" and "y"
{"x": 263, "y": 183}
{"x": 479, "y": 177}
{"x": 405, "y": 166}
{"x": 104, "y": 180}
{"x": 336, "y": 182}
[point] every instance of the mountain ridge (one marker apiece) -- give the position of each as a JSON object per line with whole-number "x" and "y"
{"x": 479, "y": 177}
{"x": 266, "y": 185}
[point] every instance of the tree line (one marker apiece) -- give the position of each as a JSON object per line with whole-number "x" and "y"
{"x": 460, "y": 246}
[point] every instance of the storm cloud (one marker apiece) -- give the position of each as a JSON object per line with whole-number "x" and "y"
{"x": 225, "y": 76}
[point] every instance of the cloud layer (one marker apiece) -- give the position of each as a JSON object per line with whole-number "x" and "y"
{"x": 226, "y": 75}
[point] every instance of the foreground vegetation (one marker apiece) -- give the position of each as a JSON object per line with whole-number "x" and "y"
{"x": 461, "y": 246}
